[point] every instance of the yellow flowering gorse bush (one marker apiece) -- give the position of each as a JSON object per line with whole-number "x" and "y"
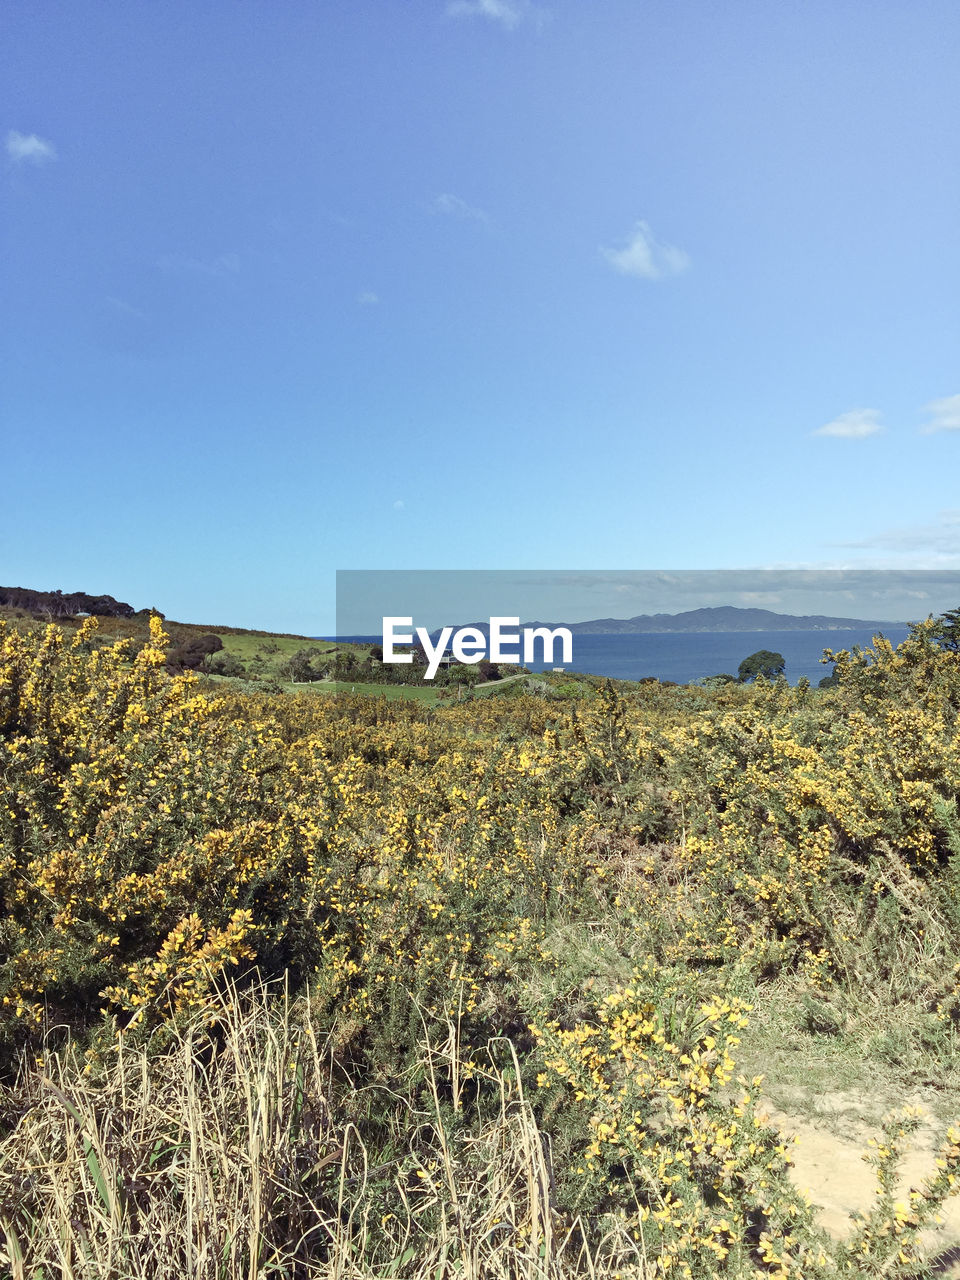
{"x": 419, "y": 867}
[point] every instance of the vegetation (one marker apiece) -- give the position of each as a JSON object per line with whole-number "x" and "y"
{"x": 338, "y": 986}
{"x": 947, "y": 630}
{"x": 57, "y": 604}
{"x": 193, "y": 654}
{"x": 764, "y": 663}
{"x": 261, "y": 660}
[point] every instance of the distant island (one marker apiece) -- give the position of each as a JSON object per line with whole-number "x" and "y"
{"x": 722, "y": 618}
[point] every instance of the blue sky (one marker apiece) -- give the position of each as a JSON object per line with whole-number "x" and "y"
{"x": 474, "y": 284}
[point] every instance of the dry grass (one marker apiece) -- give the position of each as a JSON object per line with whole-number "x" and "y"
{"x": 226, "y": 1155}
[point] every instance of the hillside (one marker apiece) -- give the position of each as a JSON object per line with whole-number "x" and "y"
{"x": 720, "y": 618}
{"x": 539, "y": 970}
{"x": 239, "y": 658}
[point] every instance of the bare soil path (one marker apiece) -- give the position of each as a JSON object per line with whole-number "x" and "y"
{"x": 832, "y": 1131}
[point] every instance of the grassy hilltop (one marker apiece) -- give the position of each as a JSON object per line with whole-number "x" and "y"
{"x": 341, "y": 986}
{"x": 267, "y": 661}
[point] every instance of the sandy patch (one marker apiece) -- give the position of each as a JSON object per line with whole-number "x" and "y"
{"x": 829, "y": 1167}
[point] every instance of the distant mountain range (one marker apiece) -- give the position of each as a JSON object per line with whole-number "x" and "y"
{"x": 723, "y": 618}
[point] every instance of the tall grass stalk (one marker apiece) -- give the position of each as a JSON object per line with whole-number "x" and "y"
{"x": 228, "y": 1155}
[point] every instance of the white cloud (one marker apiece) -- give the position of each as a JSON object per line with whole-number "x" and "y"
{"x": 399, "y": 505}
{"x": 368, "y": 298}
{"x": 760, "y": 599}
{"x": 646, "y": 257}
{"x": 937, "y": 543}
{"x": 454, "y": 207}
{"x": 855, "y": 424}
{"x": 28, "y": 147}
{"x": 945, "y": 415}
{"x": 507, "y": 12}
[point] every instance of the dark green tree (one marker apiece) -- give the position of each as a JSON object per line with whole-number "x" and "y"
{"x": 764, "y": 663}
{"x": 299, "y": 667}
{"x": 225, "y": 664}
{"x": 948, "y": 630}
{"x": 348, "y": 665}
{"x": 192, "y": 654}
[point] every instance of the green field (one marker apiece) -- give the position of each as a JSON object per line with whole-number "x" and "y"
{"x": 427, "y": 694}
{"x": 278, "y": 648}
{"x": 265, "y": 656}
{"x": 392, "y": 692}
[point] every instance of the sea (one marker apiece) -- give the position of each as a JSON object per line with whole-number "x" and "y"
{"x": 685, "y": 656}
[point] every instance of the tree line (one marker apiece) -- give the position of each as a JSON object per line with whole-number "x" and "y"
{"x": 63, "y": 604}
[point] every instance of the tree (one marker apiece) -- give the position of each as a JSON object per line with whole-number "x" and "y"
{"x": 225, "y": 664}
{"x": 345, "y": 665}
{"x": 192, "y": 654}
{"x": 58, "y": 604}
{"x": 762, "y": 663}
{"x": 947, "y": 633}
{"x": 299, "y": 667}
